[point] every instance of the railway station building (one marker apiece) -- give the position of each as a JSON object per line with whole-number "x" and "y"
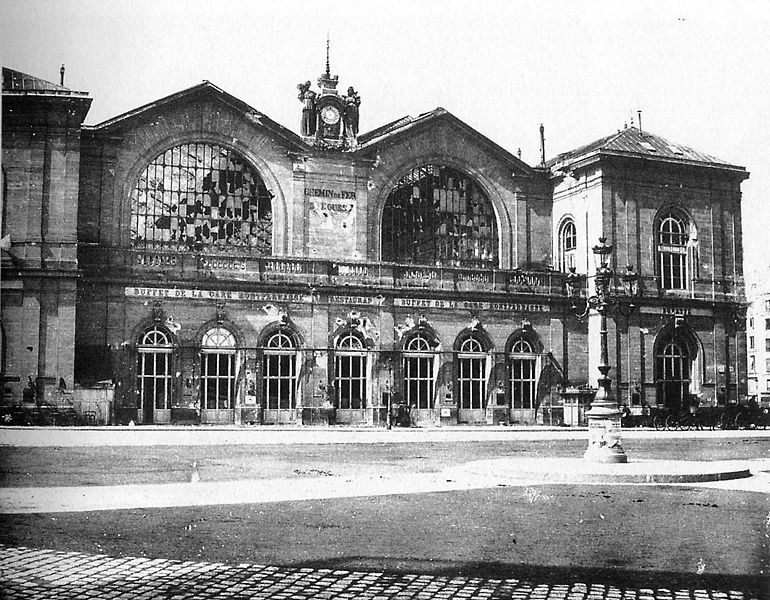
{"x": 216, "y": 266}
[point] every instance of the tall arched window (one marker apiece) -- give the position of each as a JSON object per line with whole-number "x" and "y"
{"x": 471, "y": 374}
{"x": 672, "y": 252}
{"x": 154, "y": 372}
{"x": 567, "y": 246}
{"x": 350, "y": 372}
{"x": 218, "y": 369}
{"x": 200, "y": 196}
{"x": 279, "y": 372}
{"x": 436, "y": 215}
{"x": 418, "y": 372}
{"x": 523, "y": 375}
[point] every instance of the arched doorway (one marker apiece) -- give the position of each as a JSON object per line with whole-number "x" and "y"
{"x": 677, "y": 371}
{"x": 279, "y": 378}
{"x": 472, "y": 375}
{"x": 219, "y": 374}
{"x": 351, "y": 378}
{"x": 154, "y": 375}
{"x": 419, "y": 375}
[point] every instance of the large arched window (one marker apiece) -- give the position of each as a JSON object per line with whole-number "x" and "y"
{"x": 436, "y": 215}
{"x": 418, "y": 372}
{"x": 672, "y": 252}
{"x": 350, "y": 372}
{"x": 279, "y": 366}
{"x": 154, "y": 372}
{"x": 471, "y": 374}
{"x": 523, "y": 375}
{"x": 200, "y": 196}
{"x": 218, "y": 369}
{"x": 567, "y": 246}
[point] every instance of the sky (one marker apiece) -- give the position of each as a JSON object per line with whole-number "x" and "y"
{"x": 698, "y": 70}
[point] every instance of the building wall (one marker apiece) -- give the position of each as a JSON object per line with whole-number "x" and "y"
{"x": 40, "y": 161}
{"x": 325, "y": 276}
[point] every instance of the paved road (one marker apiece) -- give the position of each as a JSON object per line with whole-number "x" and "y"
{"x": 27, "y": 574}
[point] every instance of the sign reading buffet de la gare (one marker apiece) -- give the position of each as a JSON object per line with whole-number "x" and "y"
{"x": 469, "y": 304}
{"x": 192, "y": 294}
{"x": 418, "y": 303}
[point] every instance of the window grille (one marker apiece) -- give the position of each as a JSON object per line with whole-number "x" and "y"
{"x": 437, "y": 216}
{"x": 567, "y": 245}
{"x": 350, "y": 373}
{"x": 471, "y": 376}
{"x": 201, "y": 197}
{"x": 672, "y": 252}
{"x": 154, "y": 370}
{"x": 523, "y": 375}
{"x": 218, "y": 369}
{"x": 418, "y": 373}
{"x": 279, "y": 372}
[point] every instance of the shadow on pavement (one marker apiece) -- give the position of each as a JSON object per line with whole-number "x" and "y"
{"x": 549, "y": 575}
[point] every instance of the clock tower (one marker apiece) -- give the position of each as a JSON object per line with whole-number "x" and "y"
{"x": 330, "y": 108}
{"x": 329, "y": 120}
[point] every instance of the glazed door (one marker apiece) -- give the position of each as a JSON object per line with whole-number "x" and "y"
{"x": 279, "y": 387}
{"x": 472, "y": 388}
{"x": 350, "y": 383}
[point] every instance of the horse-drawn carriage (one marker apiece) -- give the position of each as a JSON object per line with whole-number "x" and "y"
{"x": 735, "y": 415}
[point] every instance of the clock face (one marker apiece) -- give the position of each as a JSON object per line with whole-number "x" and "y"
{"x": 330, "y": 115}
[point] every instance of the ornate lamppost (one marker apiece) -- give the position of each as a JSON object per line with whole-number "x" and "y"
{"x": 604, "y": 437}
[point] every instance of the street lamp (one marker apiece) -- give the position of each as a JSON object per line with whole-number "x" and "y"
{"x": 604, "y": 438}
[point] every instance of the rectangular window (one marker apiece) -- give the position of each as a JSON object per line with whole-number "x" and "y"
{"x": 767, "y": 305}
{"x": 751, "y": 342}
{"x": 751, "y": 322}
{"x": 767, "y": 324}
{"x": 767, "y": 365}
{"x": 752, "y": 364}
{"x": 767, "y": 345}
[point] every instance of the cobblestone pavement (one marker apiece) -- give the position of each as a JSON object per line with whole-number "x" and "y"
{"x": 31, "y": 574}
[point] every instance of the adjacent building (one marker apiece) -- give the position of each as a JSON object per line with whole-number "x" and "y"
{"x": 758, "y": 343}
{"x": 213, "y": 264}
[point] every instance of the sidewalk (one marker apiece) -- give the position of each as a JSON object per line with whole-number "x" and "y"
{"x": 232, "y": 435}
{"x": 748, "y": 475}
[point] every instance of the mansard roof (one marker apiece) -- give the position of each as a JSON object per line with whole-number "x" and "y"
{"x": 16, "y": 82}
{"x": 206, "y": 89}
{"x": 400, "y": 128}
{"x": 635, "y": 143}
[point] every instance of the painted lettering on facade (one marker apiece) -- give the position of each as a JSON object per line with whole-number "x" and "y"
{"x": 314, "y": 192}
{"x": 526, "y": 279}
{"x": 155, "y": 260}
{"x": 474, "y": 277}
{"x": 353, "y": 270}
{"x": 469, "y": 305}
{"x": 277, "y": 266}
{"x": 193, "y": 294}
{"x": 226, "y": 264}
{"x": 361, "y": 300}
{"x": 675, "y": 311}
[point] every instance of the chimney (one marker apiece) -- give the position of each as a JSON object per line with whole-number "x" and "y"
{"x": 639, "y": 112}
{"x": 542, "y": 144}
{"x": 61, "y": 73}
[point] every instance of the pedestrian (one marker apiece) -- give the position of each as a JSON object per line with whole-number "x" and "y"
{"x": 413, "y": 415}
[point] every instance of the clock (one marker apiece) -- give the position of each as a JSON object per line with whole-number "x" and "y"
{"x": 330, "y": 115}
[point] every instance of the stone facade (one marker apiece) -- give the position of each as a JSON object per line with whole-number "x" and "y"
{"x": 229, "y": 270}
